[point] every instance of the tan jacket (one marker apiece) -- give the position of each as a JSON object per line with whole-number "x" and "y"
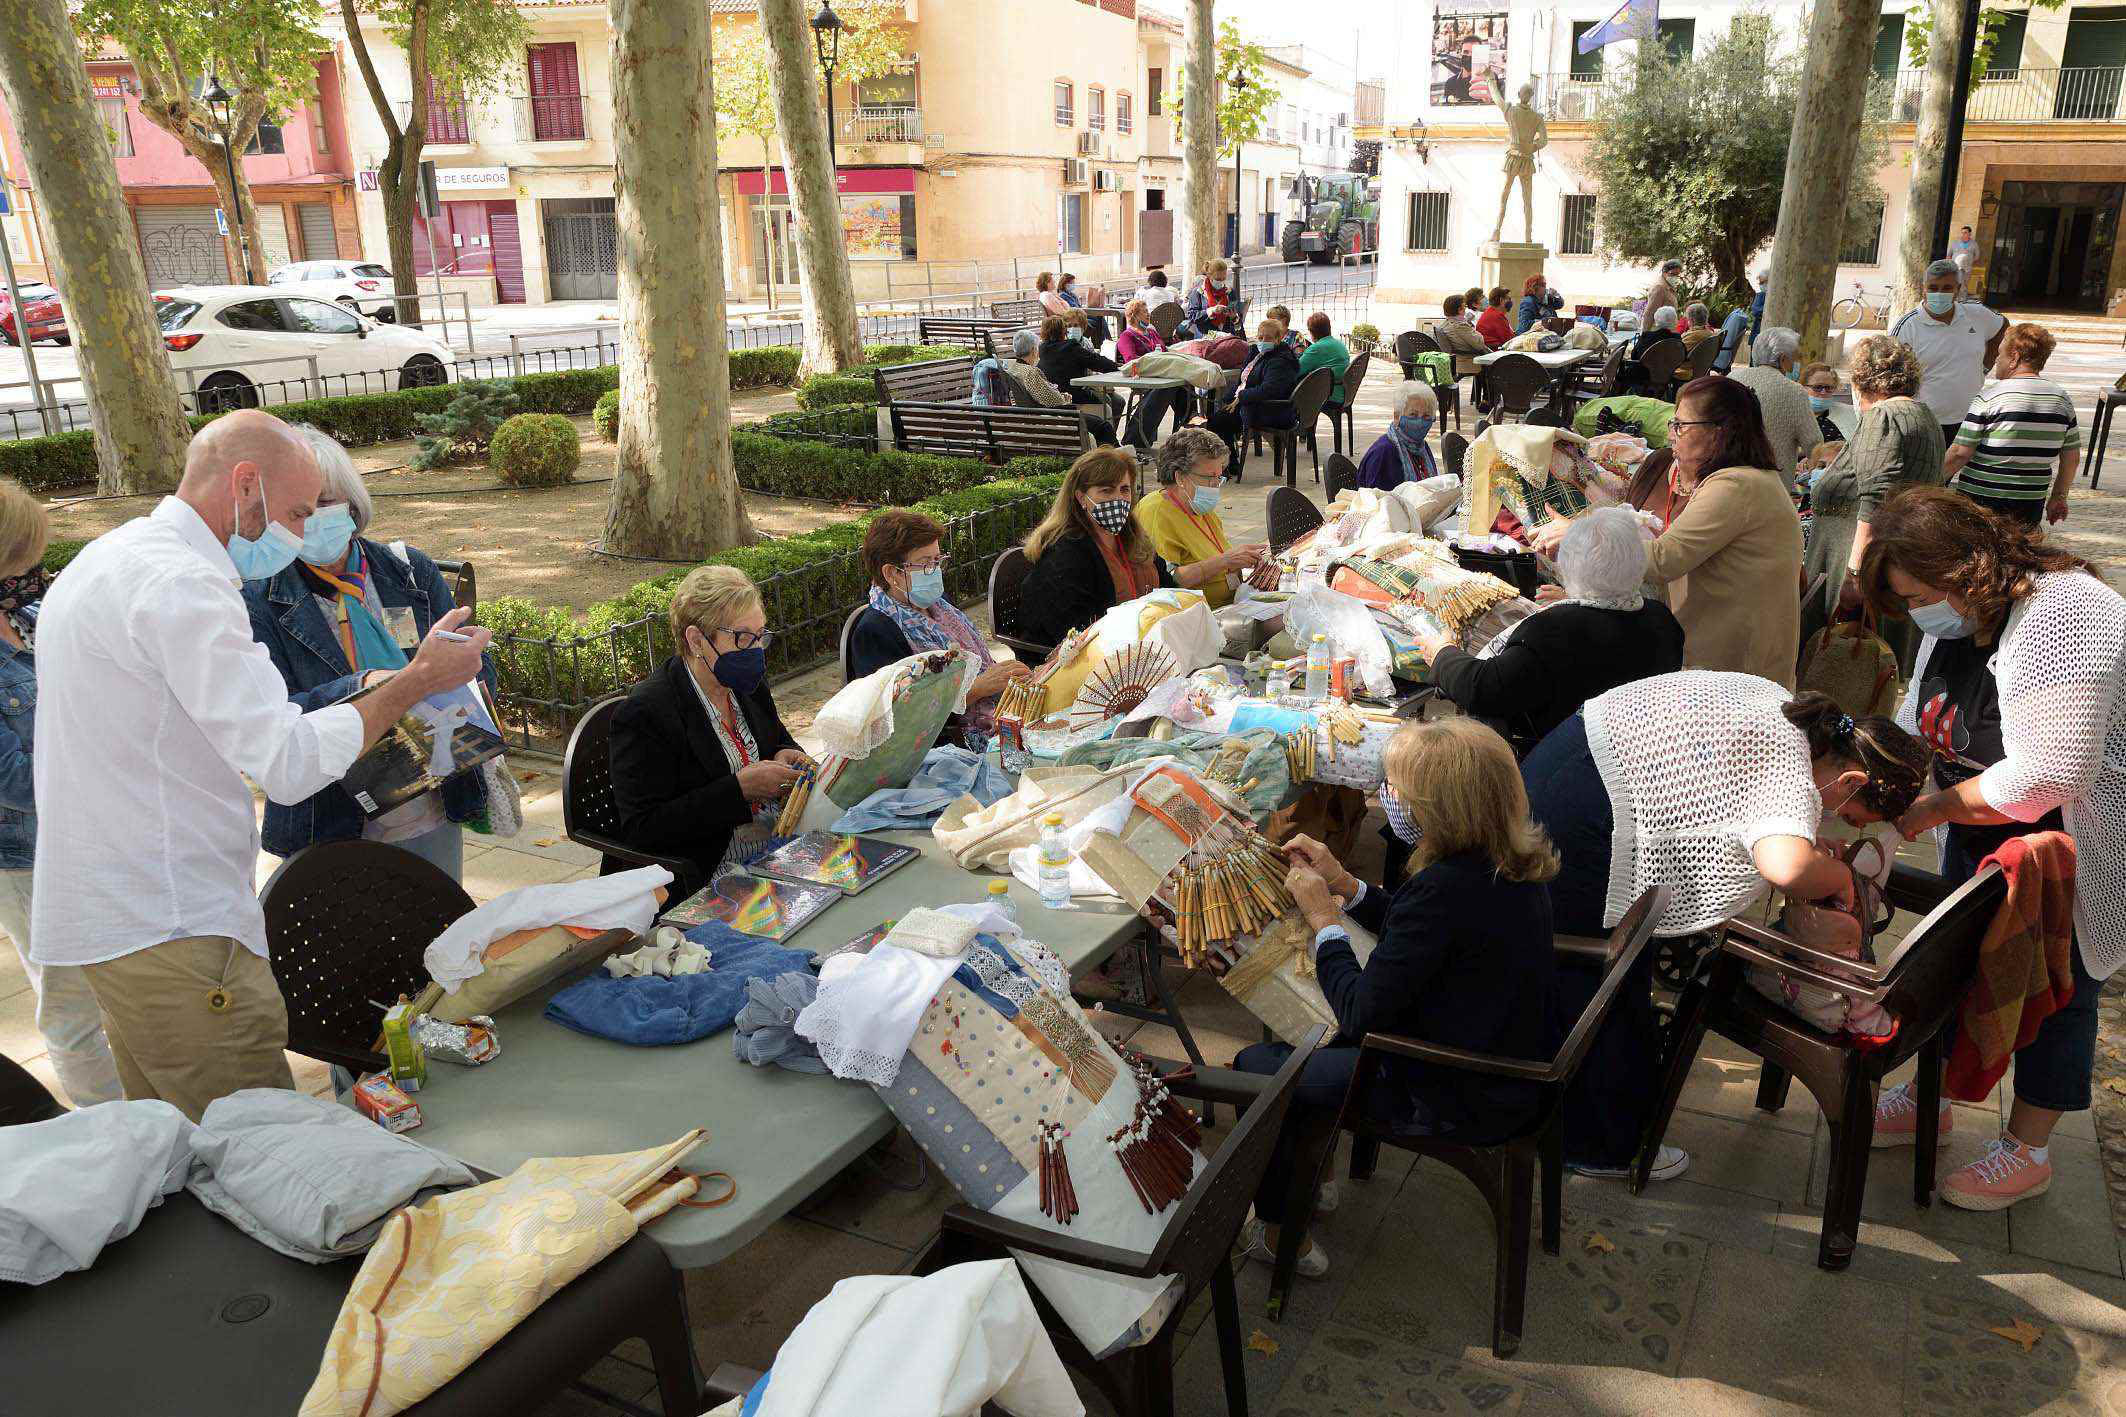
{"x": 1460, "y": 339}
{"x": 1732, "y": 562}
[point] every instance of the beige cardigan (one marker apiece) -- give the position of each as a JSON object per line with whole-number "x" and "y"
{"x": 1732, "y": 562}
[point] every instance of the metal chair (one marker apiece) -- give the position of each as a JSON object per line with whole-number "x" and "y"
{"x": 1292, "y": 514}
{"x": 1515, "y": 382}
{"x": 1307, "y": 399}
{"x": 1505, "y": 1170}
{"x": 1166, "y": 319}
{"x": 1921, "y": 985}
{"x": 1338, "y": 474}
{"x": 589, "y": 815}
{"x": 346, "y": 923}
{"x": 1007, "y": 581}
{"x": 1195, "y": 1246}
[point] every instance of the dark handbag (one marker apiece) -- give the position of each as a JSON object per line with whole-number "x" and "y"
{"x": 1550, "y": 344}
{"x": 1516, "y": 568}
{"x": 1607, "y": 420}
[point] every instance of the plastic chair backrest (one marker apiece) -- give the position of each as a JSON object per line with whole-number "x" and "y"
{"x": 1516, "y": 381}
{"x": 1291, "y": 515}
{"x": 1007, "y": 581}
{"x": 1626, "y": 942}
{"x": 1701, "y": 358}
{"x": 1338, "y": 474}
{"x": 1928, "y": 972}
{"x": 587, "y": 806}
{"x": 1415, "y": 342}
{"x": 1307, "y": 399}
{"x": 1662, "y": 361}
{"x": 1455, "y": 449}
{"x": 848, "y": 641}
{"x": 1166, "y": 319}
{"x": 1354, "y": 376}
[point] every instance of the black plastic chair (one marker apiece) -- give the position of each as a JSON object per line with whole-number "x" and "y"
{"x": 1007, "y": 582}
{"x": 1338, "y": 474}
{"x": 1195, "y": 1246}
{"x": 1166, "y": 319}
{"x": 1307, "y": 399}
{"x": 589, "y": 816}
{"x": 1344, "y": 426}
{"x": 1515, "y": 383}
{"x": 346, "y": 924}
{"x": 1410, "y": 344}
{"x": 1921, "y": 984}
{"x": 1504, "y": 1171}
{"x": 1454, "y": 451}
{"x": 464, "y": 585}
{"x": 1291, "y": 515}
{"x": 1661, "y": 363}
{"x": 1700, "y": 362}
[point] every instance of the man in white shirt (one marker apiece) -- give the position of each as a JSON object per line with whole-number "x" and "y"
{"x": 1156, "y": 292}
{"x": 1956, "y": 341}
{"x": 154, "y": 704}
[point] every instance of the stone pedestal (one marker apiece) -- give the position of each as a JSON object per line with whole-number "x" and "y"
{"x": 1510, "y": 263}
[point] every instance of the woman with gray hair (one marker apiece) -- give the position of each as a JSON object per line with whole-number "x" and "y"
{"x": 1024, "y": 369}
{"x": 1699, "y": 317}
{"x": 1660, "y": 325}
{"x": 1896, "y": 444}
{"x": 342, "y": 617}
{"x": 1181, "y": 517}
{"x": 1789, "y": 419}
{"x": 1602, "y": 633}
{"x": 1401, "y": 454}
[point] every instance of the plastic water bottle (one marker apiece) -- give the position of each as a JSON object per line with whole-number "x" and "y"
{"x": 1000, "y": 901}
{"x": 1055, "y": 863}
{"x": 1279, "y": 683}
{"x": 1318, "y": 668}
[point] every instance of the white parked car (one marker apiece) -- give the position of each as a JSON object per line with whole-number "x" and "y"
{"x": 362, "y": 286}
{"x": 244, "y": 345}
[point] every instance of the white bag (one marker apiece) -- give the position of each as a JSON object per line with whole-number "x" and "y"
{"x": 1348, "y": 623}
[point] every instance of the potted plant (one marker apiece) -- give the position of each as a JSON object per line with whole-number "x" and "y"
{"x": 1364, "y": 338}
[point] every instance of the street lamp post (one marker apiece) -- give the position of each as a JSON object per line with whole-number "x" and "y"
{"x": 216, "y": 99}
{"x": 1238, "y": 82}
{"x": 827, "y": 38}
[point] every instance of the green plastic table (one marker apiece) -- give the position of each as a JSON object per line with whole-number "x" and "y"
{"x": 782, "y": 1135}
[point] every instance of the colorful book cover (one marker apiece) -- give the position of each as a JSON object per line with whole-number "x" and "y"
{"x": 752, "y": 905}
{"x": 847, "y": 863}
{"x": 439, "y": 737}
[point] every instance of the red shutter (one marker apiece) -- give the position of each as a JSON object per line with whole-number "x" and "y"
{"x": 446, "y": 117}
{"x": 556, "y": 93}
{"x": 508, "y": 252}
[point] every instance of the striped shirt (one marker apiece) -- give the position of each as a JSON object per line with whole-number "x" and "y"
{"x": 2016, "y": 430}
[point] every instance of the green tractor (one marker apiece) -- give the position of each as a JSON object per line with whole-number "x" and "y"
{"x": 1328, "y": 218}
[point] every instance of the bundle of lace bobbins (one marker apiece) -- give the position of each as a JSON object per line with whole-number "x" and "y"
{"x": 1229, "y": 888}
{"x": 800, "y": 797}
{"x": 1156, "y": 1146}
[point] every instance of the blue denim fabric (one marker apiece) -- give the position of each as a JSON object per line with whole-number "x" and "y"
{"x": 947, "y": 772}
{"x": 650, "y": 1010}
{"x": 305, "y": 646}
{"x": 18, "y": 720}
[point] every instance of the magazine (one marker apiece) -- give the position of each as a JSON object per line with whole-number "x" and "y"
{"x": 752, "y": 905}
{"x": 847, "y": 863}
{"x": 438, "y": 738}
{"x": 861, "y": 945}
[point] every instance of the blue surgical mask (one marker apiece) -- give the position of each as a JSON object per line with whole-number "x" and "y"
{"x": 1940, "y": 302}
{"x": 1416, "y": 427}
{"x": 326, "y": 534}
{"x": 1819, "y": 404}
{"x": 1794, "y": 373}
{"x": 741, "y": 670}
{"x": 1391, "y": 802}
{"x": 926, "y": 588}
{"x": 273, "y": 550}
{"x": 1941, "y": 621}
{"x": 1265, "y": 345}
{"x": 1204, "y": 500}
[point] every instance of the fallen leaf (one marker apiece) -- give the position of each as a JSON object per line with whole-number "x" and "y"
{"x": 544, "y": 841}
{"x": 1600, "y": 1244}
{"x": 528, "y": 777}
{"x": 2117, "y": 1085}
{"x": 1262, "y": 1343}
{"x": 2021, "y": 1331}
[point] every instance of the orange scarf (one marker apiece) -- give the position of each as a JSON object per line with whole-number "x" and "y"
{"x": 1130, "y": 578}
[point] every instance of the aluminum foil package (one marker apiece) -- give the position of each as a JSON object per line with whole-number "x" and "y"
{"x": 466, "y": 1044}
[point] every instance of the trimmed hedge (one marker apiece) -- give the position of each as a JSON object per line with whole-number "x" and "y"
{"x": 535, "y": 450}
{"x": 784, "y": 467}
{"x": 832, "y": 390}
{"x": 605, "y": 415}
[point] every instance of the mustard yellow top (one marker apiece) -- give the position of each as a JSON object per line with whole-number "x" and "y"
{"x": 1182, "y": 537}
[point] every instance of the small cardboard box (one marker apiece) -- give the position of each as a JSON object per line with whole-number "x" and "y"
{"x": 382, "y": 1101}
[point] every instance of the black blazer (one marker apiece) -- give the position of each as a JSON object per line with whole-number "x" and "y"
{"x": 1557, "y": 660}
{"x": 1465, "y": 961}
{"x": 875, "y": 643}
{"x": 1063, "y": 360}
{"x": 677, "y": 793}
{"x": 1068, "y": 589}
{"x": 1265, "y": 396}
{"x": 1648, "y": 339}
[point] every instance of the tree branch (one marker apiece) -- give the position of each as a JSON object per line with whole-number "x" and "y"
{"x": 360, "y": 45}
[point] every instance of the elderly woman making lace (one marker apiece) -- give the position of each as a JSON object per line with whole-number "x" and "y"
{"x": 1602, "y": 634}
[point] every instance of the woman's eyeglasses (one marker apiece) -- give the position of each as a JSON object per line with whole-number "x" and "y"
{"x": 1675, "y": 423}
{"x": 747, "y": 639}
{"x": 935, "y": 563}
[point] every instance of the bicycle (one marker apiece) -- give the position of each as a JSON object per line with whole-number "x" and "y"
{"x": 1856, "y": 309}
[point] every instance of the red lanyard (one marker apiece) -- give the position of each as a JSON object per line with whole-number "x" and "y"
{"x": 1210, "y": 533}
{"x": 738, "y": 738}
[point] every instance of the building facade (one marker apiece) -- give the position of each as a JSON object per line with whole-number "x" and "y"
{"x": 2042, "y": 179}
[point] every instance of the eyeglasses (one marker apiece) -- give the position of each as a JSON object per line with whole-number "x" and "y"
{"x": 1675, "y": 423}
{"x": 747, "y": 639}
{"x": 935, "y": 563}
{"x": 1822, "y": 391}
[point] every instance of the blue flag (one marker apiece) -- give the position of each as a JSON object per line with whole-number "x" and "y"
{"x": 1634, "y": 19}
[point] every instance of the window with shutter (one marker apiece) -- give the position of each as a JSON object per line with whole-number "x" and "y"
{"x": 556, "y": 93}
{"x": 446, "y": 115}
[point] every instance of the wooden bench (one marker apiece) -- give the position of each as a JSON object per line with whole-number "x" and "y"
{"x": 974, "y": 333}
{"x": 996, "y": 435}
{"x": 926, "y": 381}
{"x": 1019, "y": 312}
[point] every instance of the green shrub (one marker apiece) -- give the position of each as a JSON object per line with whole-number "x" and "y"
{"x": 606, "y": 415}
{"x": 58, "y": 554}
{"x": 563, "y": 390}
{"x": 535, "y": 450}
{"x": 782, "y": 467}
{"x": 876, "y": 354}
{"x": 463, "y": 428}
{"x": 760, "y": 368}
{"x": 828, "y": 390}
{"x": 1365, "y": 331}
{"x": 49, "y": 463}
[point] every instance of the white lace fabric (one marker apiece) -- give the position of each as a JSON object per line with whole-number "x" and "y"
{"x": 2060, "y": 668}
{"x": 860, "y": 715}
{"x": 862, "y": 1018}
{"x": 1700, "y": 765}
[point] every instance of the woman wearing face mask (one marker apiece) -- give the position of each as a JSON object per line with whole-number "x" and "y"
{"x": 1401, "y": 454}
{"x": 1736, "y": 813}
{"x": 1209, "y": 309}
{"x": 1264, "y": 399}
{"x": 700, "y": 759}
{"x": 1181, "y": 518}
{"x": 1835, "y": 418}
{"x": 1088, "y": 554}
{"x": 1067, "y": 355}
{"x": 1464, "y": 960}
{"x": 347, "y": 613}
{"x": 909, "y": 614}
{"x": 2017, "y": 689}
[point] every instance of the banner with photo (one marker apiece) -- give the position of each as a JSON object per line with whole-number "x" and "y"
{"x": 1468, "y": 54}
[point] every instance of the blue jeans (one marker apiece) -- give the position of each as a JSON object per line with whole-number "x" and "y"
{"x": 443, "y": 848}
{"x": 1310, "y": 1124}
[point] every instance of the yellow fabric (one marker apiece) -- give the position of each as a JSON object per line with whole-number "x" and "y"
{"x": 1069, "y": 675}
{"x": 446, "y": 1279}
{"x": 1181, "y": 541}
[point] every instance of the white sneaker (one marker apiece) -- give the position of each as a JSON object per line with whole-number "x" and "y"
{"x": 1255, "y": 1245}
{"x": 1672, "y": 1162}
{"x": 1326, "y": 1201}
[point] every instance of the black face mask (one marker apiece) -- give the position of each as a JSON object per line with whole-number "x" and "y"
{"x": 1110, "y": 516}
{"x": 25, "y": 589}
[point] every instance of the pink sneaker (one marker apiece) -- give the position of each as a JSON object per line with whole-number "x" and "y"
{"x": 1897, "y": 1118}
{"x": 2007, "y": 1173}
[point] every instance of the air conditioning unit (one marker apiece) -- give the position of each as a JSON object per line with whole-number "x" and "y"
{"x": 1105, "y": 181}
{"x": 1074, "y": 172}
{"x": 1088, "y": 144}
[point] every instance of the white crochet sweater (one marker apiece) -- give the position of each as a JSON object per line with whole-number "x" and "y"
{"x": 2060, "y": 667}
{"x": 1700, "y": 765}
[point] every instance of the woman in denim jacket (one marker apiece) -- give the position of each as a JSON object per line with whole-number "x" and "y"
{"x": 347, "y": 613}
{"x": 67, "y": 1015}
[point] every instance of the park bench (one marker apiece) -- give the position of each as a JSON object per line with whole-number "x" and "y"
{"x": 1019, "y": 312}
{"x": 986, "y": 432}
{"x": 926, "y": 381}
{"x": 974, "y": 333}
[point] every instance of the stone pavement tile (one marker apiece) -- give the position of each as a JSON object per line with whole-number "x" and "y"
{"x": 1218, "y": 1047}
{"x": 1768, "y": 1162}
{"x": 1199, "y": 1375}
{"x": 1954, "y": 1361}
{"x": 2071, "y": 1223}
{"x": 1888, "y": 1198}
{"x": 1348, "y": 1373}
{"x": 865, "y": 1201}
{"x": 548, "y": 842}
{"x": 1794, "y": 1333}
{"x": 1733, "y": 1218}
{"x": 1727, "y": 1087}
{"x": 1356, "y": 1231}
{"x": 13, "y": 978}
{"x": 743, "y": 1308}
{"x": 1627, "y": 1307}
{"x": 501, "y": 870}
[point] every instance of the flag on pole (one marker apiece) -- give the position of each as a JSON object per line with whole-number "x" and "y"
{"x": 1634, "y": 19}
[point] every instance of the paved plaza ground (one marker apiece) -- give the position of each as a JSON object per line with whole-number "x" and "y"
{"x": 1701, "y": 1296}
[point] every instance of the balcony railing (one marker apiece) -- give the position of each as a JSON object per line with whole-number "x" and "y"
{"x": 880, "y": 125}
{"x": 558, "y": 118}
{"x": 2003, "y": 96}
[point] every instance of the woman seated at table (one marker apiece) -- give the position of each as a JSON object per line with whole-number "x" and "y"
{"x": 1067, "y": 355}
{"x": 1182, "y": 521}
{"x": 1401, "y": 454}
{"x": 1139, "y": 335}
{"x": 1713, "y": 785}
{"x": 1464, "y": 960}
{"x": 1210, "y": 309}
{"x": 1601, "y": 634}
{"x": 342, "y": 616}
{"x": 700, "y": 759}
{"x": 909, "y": 614}
{"x": 1139, "y": 338}
{"x": 1088, "y": 554}
{"x": 1044, "y": 291}
{"x": 1034, "y": 390}
{"x": 1660, "y": 328}
{"x": 1264, "y": 399}
{"x": 1325, "y": 351}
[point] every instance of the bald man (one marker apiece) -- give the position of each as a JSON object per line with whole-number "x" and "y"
{"x": 154, "y": 704}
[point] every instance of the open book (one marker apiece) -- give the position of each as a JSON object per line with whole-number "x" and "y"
{"x": 439, "y": 737}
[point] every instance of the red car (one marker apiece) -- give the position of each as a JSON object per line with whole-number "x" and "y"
{"x": 46, "y": 320}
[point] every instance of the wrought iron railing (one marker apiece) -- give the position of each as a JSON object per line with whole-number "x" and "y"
{"x": 2023, "y": 95}
{"x": 880, "y": 125}
{"x": 558, "y": 117}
